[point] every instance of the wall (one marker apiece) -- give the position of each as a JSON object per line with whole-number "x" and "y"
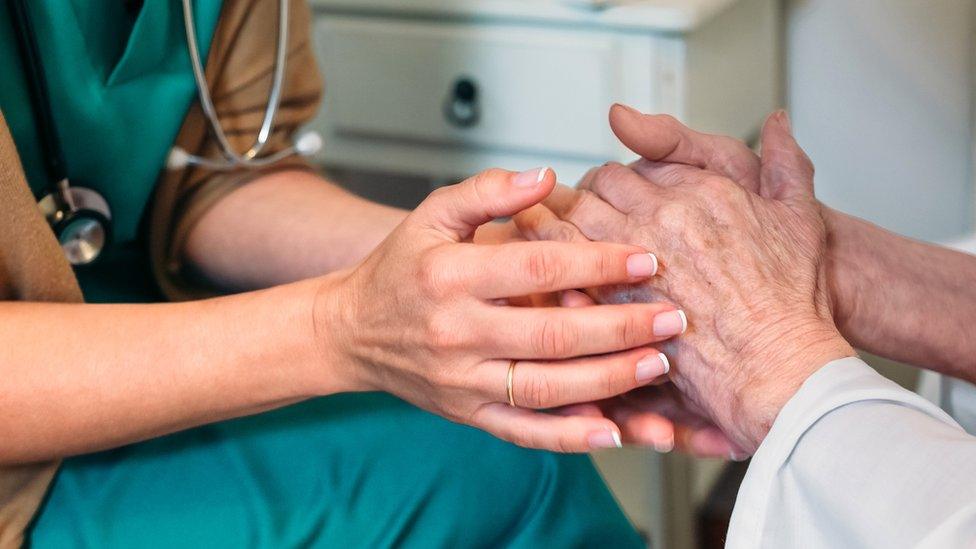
{"x": 880, "y": 92}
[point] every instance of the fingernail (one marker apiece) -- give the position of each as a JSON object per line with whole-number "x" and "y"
{"x": 531, "y": 178}
{"x": 606, "y": 438}
{"x": 671, "y": 323}
{"x": 738, "y": 456}
{"x": 652, "y": 367}
{"x": 642, "y": 265}
{"x": 664, "y": 446}
{"x": 784, "y": 119}
{"x": 710, "y": 441}
{"x": 627, "y": 108}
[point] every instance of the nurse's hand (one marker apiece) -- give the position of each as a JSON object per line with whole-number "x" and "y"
{"x": 658, "y": 415}
{"x": 426, "y": 318}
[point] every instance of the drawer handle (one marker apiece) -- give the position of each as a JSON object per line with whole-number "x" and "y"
{"x": 462, "y": 107}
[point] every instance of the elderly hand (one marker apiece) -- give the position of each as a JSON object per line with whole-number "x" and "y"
{"x": 426, "y": 317}
{"x": 662, "y": 138}
{"x": 747, "y": 268}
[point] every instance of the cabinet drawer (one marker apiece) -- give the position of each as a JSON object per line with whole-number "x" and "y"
{"x": 511, "y": 88}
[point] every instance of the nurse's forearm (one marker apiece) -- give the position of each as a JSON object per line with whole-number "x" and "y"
{"x": 902, "y": 299}
{"x": 284, "y": 227}
{"x": 79, "y": 378}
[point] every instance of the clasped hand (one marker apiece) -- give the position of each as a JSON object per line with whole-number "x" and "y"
{"x": 430, "y": 316}
{"x": 736, "y": 260}
{"x": 743, "y": 257}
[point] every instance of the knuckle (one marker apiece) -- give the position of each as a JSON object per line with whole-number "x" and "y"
{"x": 668, "y": 120}
{"x": 740, "y": 150}
{"x": 544, "y": 268}
{"x": 671, "y": 175}
{"x": 555, "y": 339}
{"x": 587, "y": 216}
{"x": 483, "y": 184}
{"x": 447, "y": 410}
{"x": 611, "y": 384}
{"x": 441, "y": 194}
{"x": 674, "y": 215}
{"x": 587, "y": 179}
{"x": 445, "y": 333}
{"x": 522, "y": 437}
{"x": 437, "y": 275}
{"x": 457, "y": 412}
{"x": 722, "y": 197}
{"x": 629, "y": 332}
{"x": 585, "y": 200}
{"x": 565, "y": 445}
{"x": 563, "y": 232}
{"x": 482, "y": 189}
{"x": 608, "y": 174}
{"x": 492, "y": 174}
{"x": 608, "y": 266}
{"x": 539, "y": 391}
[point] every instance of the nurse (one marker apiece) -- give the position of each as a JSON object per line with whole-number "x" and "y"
{"x": 334, "y": 295}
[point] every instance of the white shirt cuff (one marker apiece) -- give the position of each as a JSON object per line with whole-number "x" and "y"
{"x": 837, "y": 384}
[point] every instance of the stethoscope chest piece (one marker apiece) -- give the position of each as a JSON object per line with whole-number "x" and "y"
{"x": 81, "y": 221}
{"x": 80, "y": 217}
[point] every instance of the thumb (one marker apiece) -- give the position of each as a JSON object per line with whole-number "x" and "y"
{"x": 659, "y": 138}
{"x": 787, "y": 172}
{"x": 459, "y": 209}
{"x": 662, "y": 138}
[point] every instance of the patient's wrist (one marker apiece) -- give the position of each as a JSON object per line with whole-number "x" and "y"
{"x": 775, "y": 374}
{"x": 842, "y": 270}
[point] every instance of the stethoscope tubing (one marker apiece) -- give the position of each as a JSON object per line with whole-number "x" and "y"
{"x": 229, "y": 164}
{"x": 54, "y": 159}
{"x": 249, "y": 158}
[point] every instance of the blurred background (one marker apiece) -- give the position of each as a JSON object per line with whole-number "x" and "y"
{"x": 421, "y": 93}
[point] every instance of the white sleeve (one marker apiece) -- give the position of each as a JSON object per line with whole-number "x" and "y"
{"x": 854, "y": 460}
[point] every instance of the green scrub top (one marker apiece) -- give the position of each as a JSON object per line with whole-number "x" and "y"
{"x": 120, "y": 83}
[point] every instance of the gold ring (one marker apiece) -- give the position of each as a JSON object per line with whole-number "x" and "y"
{"x": 511, "y": 384}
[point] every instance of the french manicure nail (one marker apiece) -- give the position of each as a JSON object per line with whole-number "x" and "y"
{"x": 738, "y": 457}
{"x": 671, "y": 323}
{"x": 652, "y": 367}
{"x": 531, "y": 178}
{"x": 642, "y": 265}
{"x": 664, "y": 446}
{"x": 606, "y": 438}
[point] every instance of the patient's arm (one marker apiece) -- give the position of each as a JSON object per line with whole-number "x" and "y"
{"x": 892, "y": 296}
{"x": 902, "y": 299}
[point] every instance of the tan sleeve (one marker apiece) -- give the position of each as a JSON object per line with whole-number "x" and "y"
{"x": 32, "y": 268}
{"x": 239, "y": 71}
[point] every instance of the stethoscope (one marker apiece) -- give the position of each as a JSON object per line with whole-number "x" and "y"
{"x": 80, "y": 217}
{"x": 306, "y": 144}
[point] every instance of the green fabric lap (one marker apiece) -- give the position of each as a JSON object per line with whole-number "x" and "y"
{"x": 351, "y": 470}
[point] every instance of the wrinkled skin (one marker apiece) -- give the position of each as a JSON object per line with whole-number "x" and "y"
{"x": 744, "y": 259}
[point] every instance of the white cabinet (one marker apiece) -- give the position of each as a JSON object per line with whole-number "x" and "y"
{"x": 446, "y": 88}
